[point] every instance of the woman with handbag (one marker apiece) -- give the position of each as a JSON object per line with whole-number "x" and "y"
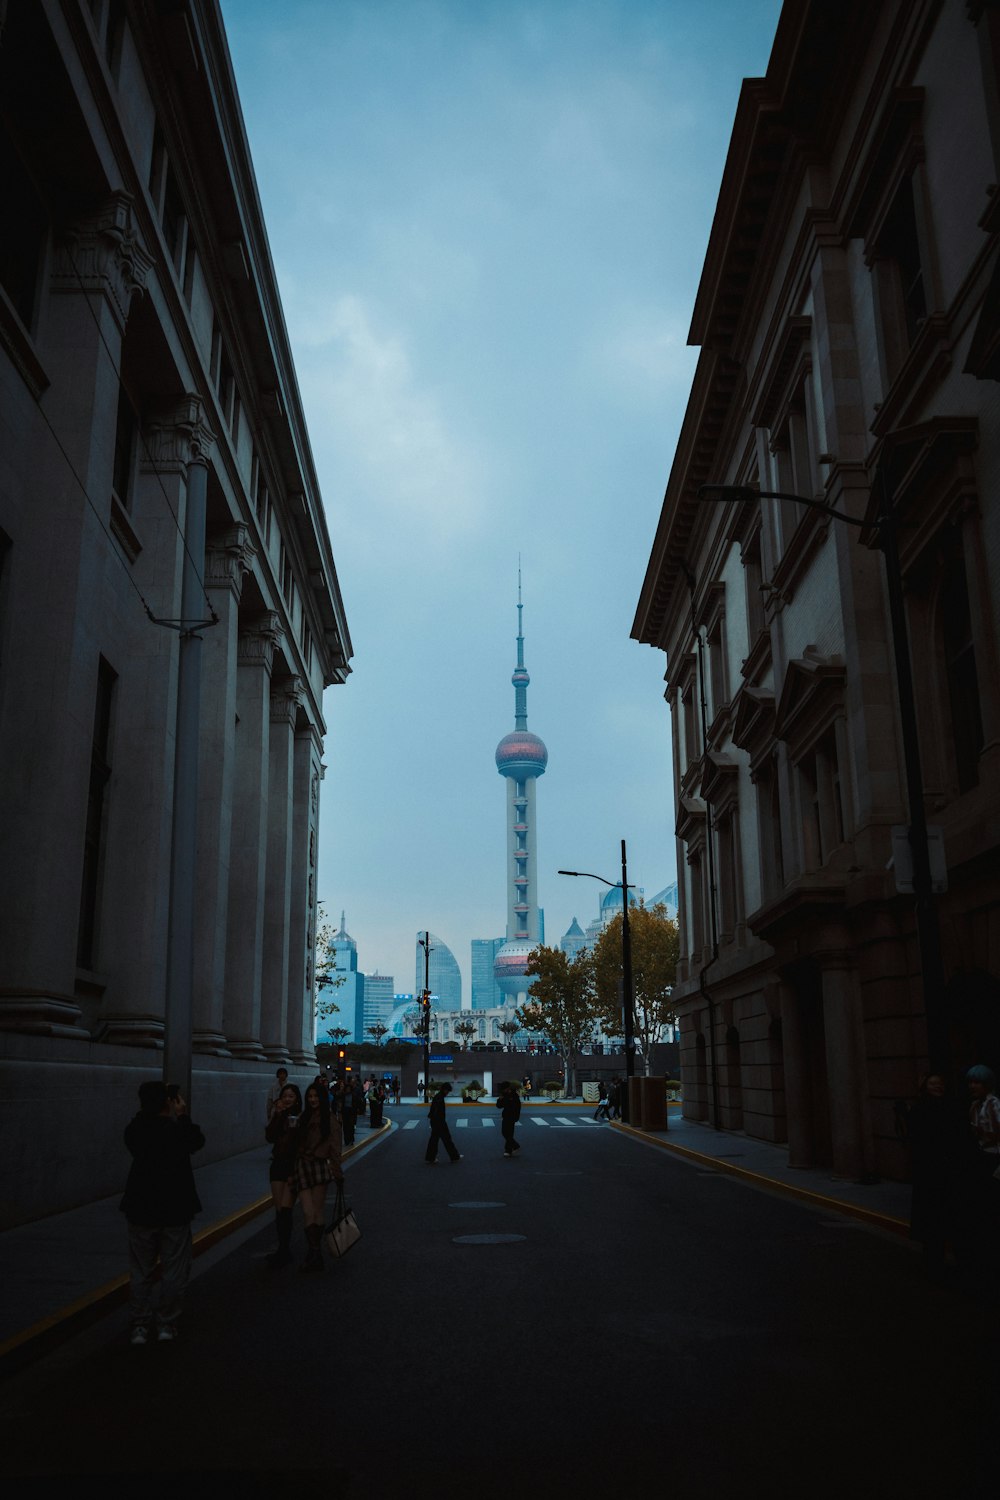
{"x": 280, "y": 1133}
{"x": 317, "y": 1163}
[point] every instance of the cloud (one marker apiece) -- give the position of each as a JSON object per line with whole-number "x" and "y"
{"x": 381, "y": 431}
{"x": 644, "y": 352}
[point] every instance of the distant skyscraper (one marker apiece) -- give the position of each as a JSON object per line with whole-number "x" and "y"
{"x": 379, "y": 991}
{"x": 521, "y": 758}
{"x": 444, "y": 975}
{"x": 668, "y": 898}
{"x": 486, "y": 993}
{"x": 349, "y": 997}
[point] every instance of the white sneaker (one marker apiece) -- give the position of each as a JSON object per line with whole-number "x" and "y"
{"x": 166, "y": 1334}
{"x": 138, "y": 1336}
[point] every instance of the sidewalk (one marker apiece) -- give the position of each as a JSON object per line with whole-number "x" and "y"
{"x": 62, "y": 1272}
{"x": 885, "y": 1205}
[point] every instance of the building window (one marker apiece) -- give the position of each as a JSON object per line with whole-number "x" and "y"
{"x": 753, "y": 580}
{"x": 123, "y": 470}
{"x": 717, "y": 674}
{"x": 821, "y": 802}
{"x": 692, "y": 749}
{"x": 24, "y": 232}
{"x": 94, "y": 833}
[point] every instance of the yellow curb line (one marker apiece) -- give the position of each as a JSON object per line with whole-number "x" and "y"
{"x": 17, "y": 1350}
{"x": 838, "y": 1205}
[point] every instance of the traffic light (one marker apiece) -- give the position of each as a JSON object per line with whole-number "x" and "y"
{"x": 341, "y": 1054}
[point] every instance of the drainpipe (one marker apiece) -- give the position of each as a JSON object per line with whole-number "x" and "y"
{"x": 710, "y": 850}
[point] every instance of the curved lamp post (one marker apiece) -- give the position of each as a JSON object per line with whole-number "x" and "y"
{"x": 928, "y": 929}
{"x": 626, "y": 970}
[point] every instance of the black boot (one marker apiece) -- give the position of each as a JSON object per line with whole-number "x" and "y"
{"x": 283, "y": 1227}
{"x": 314, "y": 1254}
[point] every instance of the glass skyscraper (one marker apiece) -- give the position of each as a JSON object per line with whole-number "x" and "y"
{"x": 444, "y": 975}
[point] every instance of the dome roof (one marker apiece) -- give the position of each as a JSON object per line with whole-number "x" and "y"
{"x": 611, "y": 901}
{"x": 521, "y": 754}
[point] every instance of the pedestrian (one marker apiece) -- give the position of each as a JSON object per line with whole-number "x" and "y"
{"x": 510, "y": 1106}
{"x": 397, "y": 1090}
{"x": 526, "y": 1086}
{"x": 280, "y": 1133}
{"x": 604, "y": 1103}
{"x": 438, "y": 1120}
{"x": 376, "y": 1101}
{"x": 984, "y": 1110}
{"x": 943, "y": 1172}
{"x": 317, "y": 1142}
{"x": 348, "y": 1113}
{"x": 159, "y": 1203}
{"x": 273, "y": 1093}
{"x": 615, "y": 1100}
{"x": 360, "y": 1098}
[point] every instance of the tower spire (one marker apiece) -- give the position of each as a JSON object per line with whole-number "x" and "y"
{"x": 520, "y": 678}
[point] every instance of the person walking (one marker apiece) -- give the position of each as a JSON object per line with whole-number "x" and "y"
{"x": 510, "y": 1106}
{"x": 437, "y": 1118}
{"x": 280, "y": 1133}
{"x": 348, "y": 1112}
{"x": 603, "y": 1104}
{"x": 159, "y": 1203}
{"x": 943, "y": 1170}
{"x": 376, "y": 1102}
{"x": 317, "y": 1142}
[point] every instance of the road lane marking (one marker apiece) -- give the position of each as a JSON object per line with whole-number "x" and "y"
{"x": 536, "y": 1121}
{"x": 411, "y": 1124}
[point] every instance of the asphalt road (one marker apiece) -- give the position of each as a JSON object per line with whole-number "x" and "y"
{"x": 593, "y": 1318}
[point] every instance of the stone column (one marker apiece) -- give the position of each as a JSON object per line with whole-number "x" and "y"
{"x": 59, "y": 594}
{"x": 140, "y": 815}
{"x": 285, "y": 699}
{"x": 228, "y": 559}
{"x": 248, "y": 849}
{"x": 843, "y": 1031}
{"x": 308, "y": 774}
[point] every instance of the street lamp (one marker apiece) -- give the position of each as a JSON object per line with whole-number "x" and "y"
{"x": 925, "y": 910}
{"x": 425, "y": 1006}
{"x": 626, "y": 971}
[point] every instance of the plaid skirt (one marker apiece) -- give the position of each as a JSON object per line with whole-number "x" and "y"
{"x": 311, "y": 1172}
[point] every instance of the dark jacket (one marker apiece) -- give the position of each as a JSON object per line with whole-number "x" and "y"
{"x": 160, "y": 1187}
{"x": 437, "y": 1114}
{"x": 511, "y": 1106}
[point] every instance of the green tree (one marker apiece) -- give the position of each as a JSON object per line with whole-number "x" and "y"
{"x": 563, "y": 1005}
{"x": 326, "y": 981}
{"x": 655, "y": 949}
{"x": 465, "y": 1031}
{"x": 510, "y": 1030}
{"x": 378, "y": 1031}
{"x": 338, "y": 1034}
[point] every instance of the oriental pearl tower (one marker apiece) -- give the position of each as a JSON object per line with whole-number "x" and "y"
{"x": 521, "y": 759}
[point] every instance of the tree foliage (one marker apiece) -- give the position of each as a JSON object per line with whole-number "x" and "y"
{"x": 465, "y": 1031}
{"x": 563, "y": 1005}
{"x": 326, "y": 981}
{"x": 655, "y": 942}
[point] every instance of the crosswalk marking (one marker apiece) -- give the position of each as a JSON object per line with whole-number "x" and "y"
{"x": 555, "y": 1123}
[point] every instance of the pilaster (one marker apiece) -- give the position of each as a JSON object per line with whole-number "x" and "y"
{"x": 229, "y": 557}
{"x": 285, "y": 699}
{"x": 308, "y": 774}
{"x": 247, "y": 873}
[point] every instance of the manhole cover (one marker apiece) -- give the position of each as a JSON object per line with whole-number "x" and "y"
{"x": 477, "y": 1203}
{"x": 487, "y": 1239}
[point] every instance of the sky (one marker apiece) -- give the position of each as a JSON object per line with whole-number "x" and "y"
{"x": 488, "y": 220}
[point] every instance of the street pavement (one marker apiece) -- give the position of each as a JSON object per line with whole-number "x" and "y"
{"x": 596, "y": 1314}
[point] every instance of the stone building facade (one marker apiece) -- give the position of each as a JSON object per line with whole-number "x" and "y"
{"x": 156, "y": 488}
{"x": 847, "y": 319}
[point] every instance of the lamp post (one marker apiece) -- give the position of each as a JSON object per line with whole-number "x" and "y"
{"x": 925, "y": 910}
{"x": 425, "y": 1005}
{"x": 627, "y": 1025}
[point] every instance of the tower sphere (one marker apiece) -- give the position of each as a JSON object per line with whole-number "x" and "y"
{"x": 521, "y": 754}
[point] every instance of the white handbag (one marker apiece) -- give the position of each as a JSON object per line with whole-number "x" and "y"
{"x": 343, "y": 1232}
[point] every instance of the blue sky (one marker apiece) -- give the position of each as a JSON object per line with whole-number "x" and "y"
{"x": 488, "y": 220}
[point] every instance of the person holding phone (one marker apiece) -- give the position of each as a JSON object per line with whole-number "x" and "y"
{"x": 159, "y": 1203}
{"x": 280, "y": 1133}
